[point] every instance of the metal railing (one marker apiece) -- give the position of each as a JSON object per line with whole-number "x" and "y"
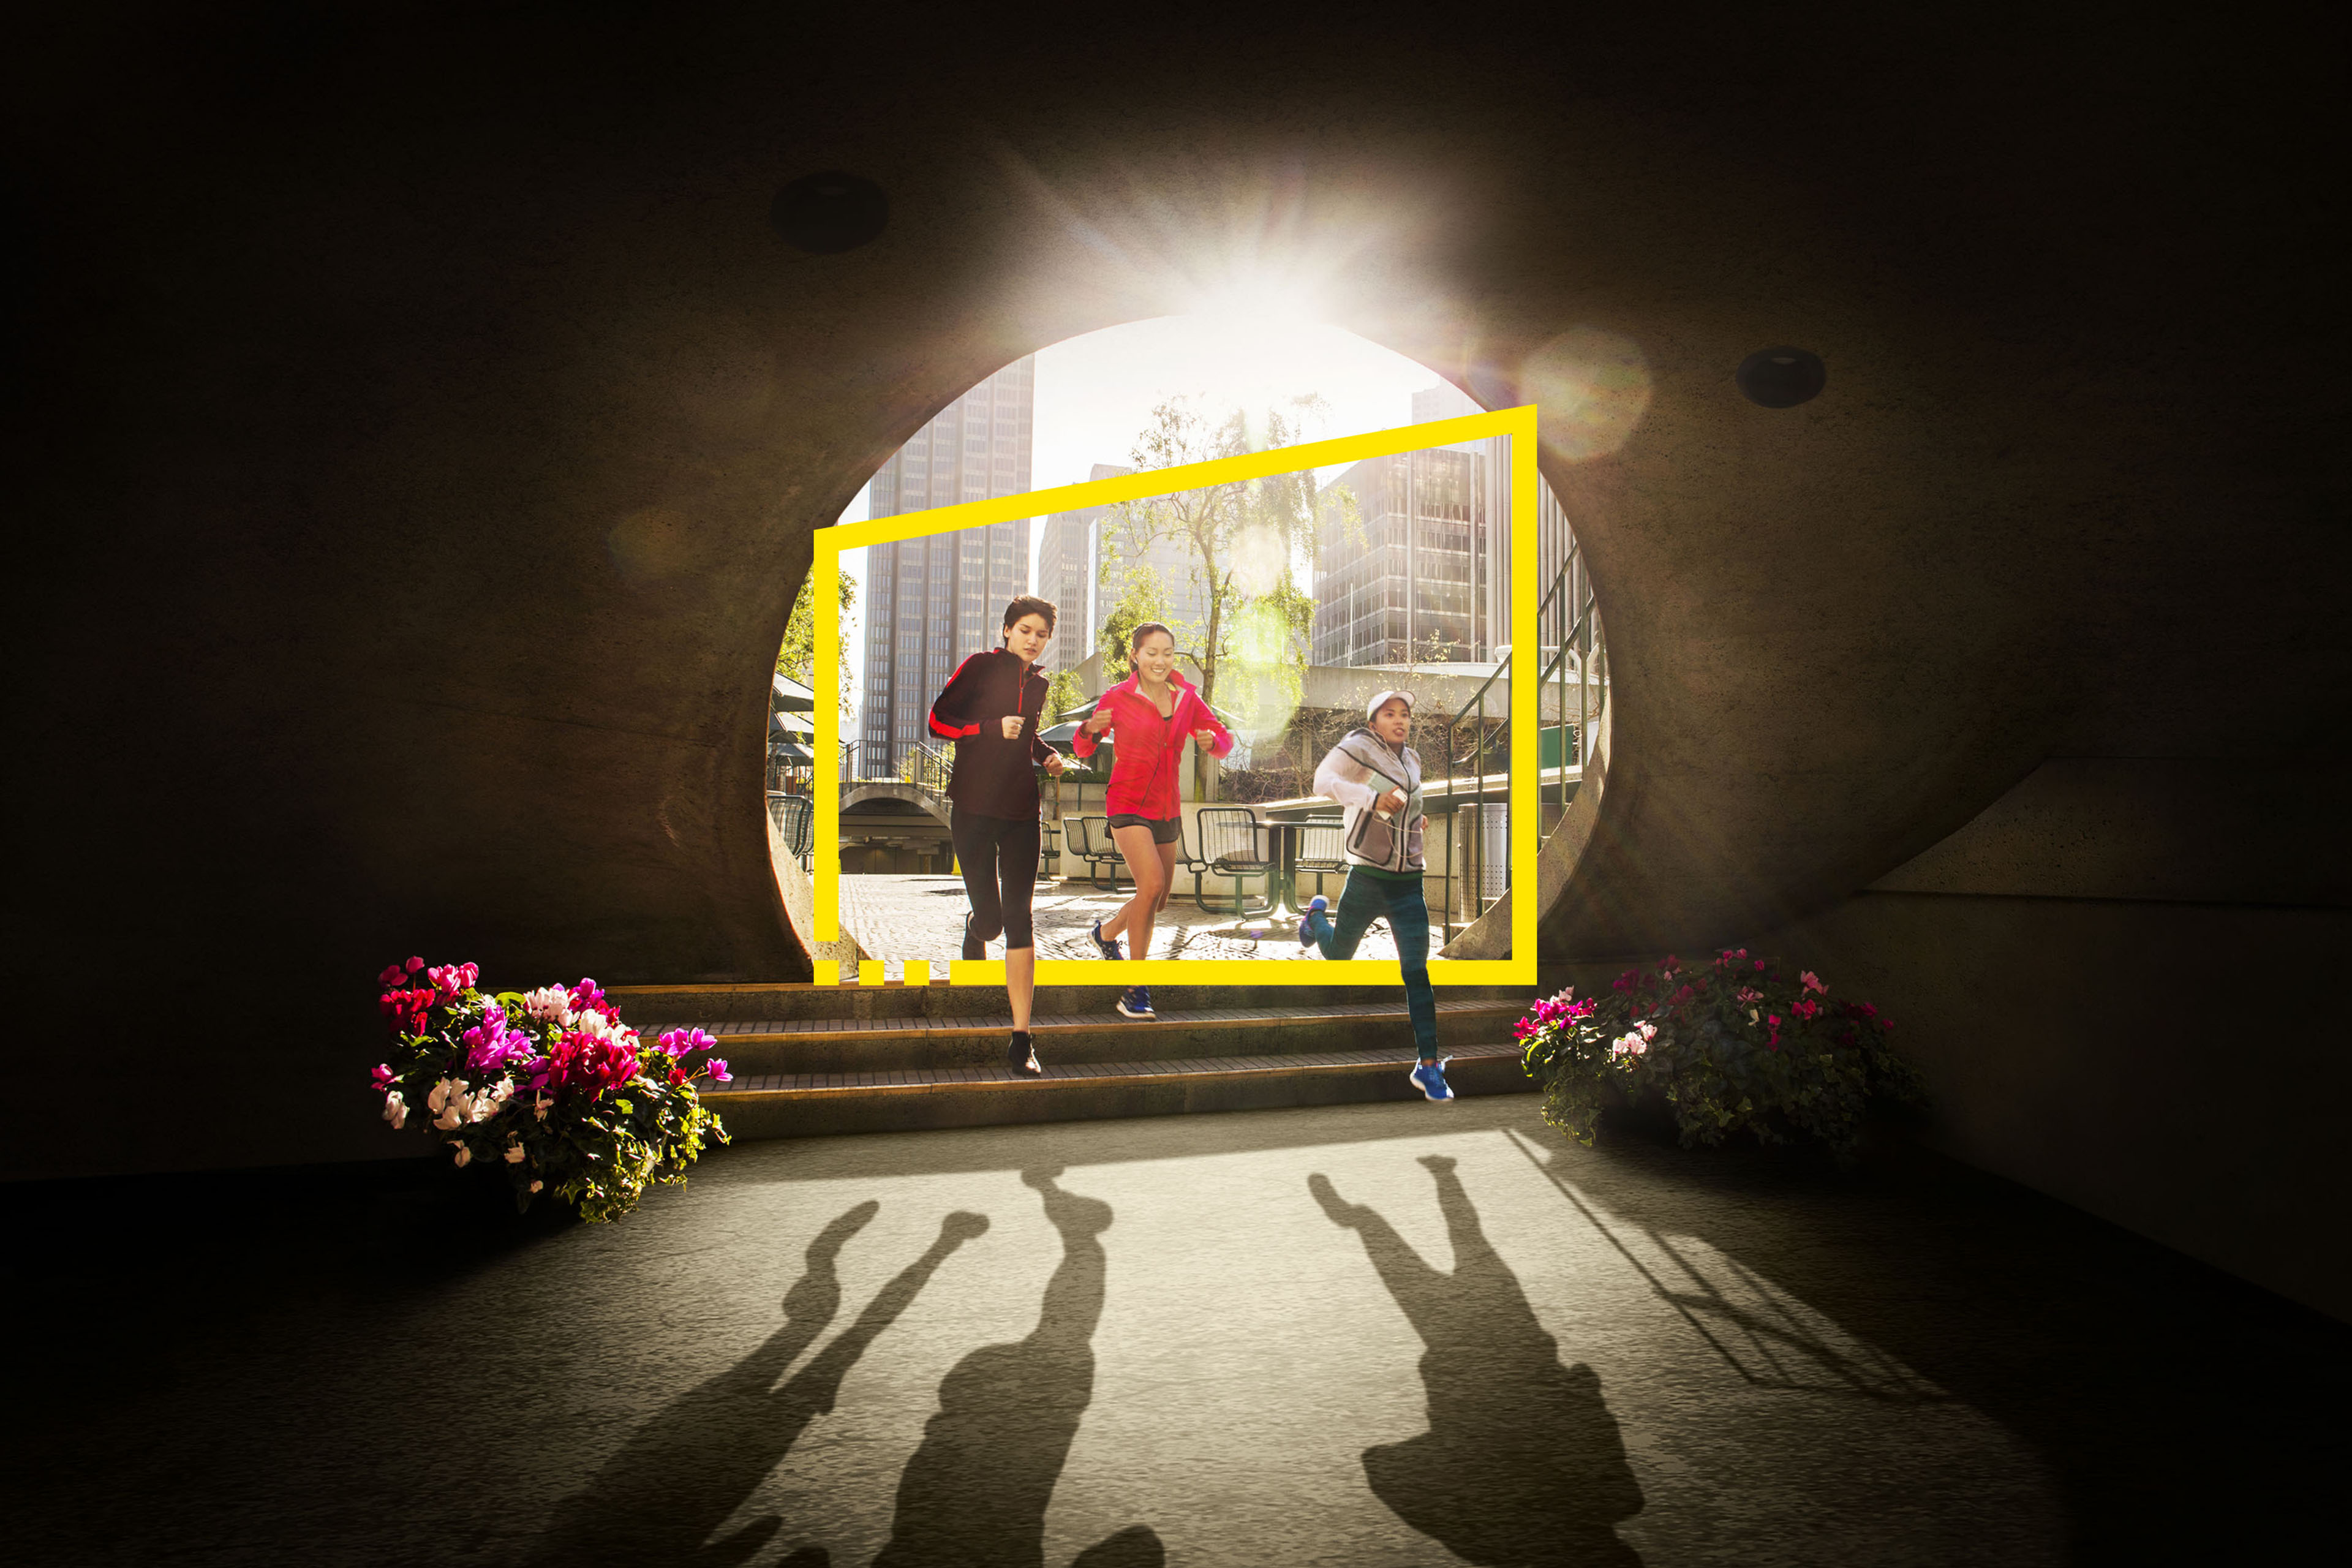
{"x": 1568, "y": 644}
{"x": 1567, "y": 632}
{"x": 1483, "y": 741}
{"x": 927, "y": 771}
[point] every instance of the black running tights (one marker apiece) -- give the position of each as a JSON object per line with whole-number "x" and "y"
{"x": 998, "y": 857}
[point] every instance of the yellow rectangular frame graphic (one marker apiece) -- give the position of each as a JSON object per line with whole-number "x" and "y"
{"x": 1519, "y": 969}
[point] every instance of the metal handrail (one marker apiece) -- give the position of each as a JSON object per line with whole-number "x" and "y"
{"x": 1477, "y": 839}
{"x": 1577, "y": 646}
{"x": 927, "y": 771}
{"x": 1577, "y": 650}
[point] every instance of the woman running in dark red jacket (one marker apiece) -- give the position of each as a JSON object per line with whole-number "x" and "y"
{"x": 990, "y": 709}
{"x": 1150, "y": 713}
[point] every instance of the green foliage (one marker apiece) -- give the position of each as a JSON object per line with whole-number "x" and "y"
{"x": 797, "y": 657}
{"x": 1063, "y": 692}
{"x": 1239, "y": 538}
{"x": 1141, "y": 598}
{"x": 1735, "y": 1044}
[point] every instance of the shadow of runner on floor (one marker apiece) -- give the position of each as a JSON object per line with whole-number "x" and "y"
{"x": 1522, "y": 1464}
{"x": 975, "y": 1491}
{"x": 684, "y": 1472}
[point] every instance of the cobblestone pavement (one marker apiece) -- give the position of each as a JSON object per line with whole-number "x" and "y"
{"x": 922, "y": 918}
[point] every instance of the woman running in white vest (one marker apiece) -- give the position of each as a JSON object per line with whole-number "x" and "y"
{"x": 1377, "y": 777}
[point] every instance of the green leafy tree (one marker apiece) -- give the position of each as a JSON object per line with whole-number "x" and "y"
{"x": 1063, "y": 692}
{"x": 797, "y": 657}
{"x": 1141, "y": 598}
{"x": 1239, "y": 538}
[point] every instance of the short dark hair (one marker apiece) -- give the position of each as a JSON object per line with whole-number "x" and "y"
{"x": 1028, "y": 604}
{"x": 1134, "y": 638}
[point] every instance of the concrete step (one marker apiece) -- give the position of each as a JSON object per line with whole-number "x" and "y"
{"x": 652, "y": 1007}
{"x": 801, "y": 1105}
{"x": 830, "y": 1045}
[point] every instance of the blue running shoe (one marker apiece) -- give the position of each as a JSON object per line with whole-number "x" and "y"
{"x": 1430, "y": 1078}
{"x": 1136, "y": 1002}
{"x": 1315, "y": 908}
{"x": 1107, "y": 946}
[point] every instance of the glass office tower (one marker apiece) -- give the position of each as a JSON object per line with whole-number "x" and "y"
{"x": 933, "y": 603}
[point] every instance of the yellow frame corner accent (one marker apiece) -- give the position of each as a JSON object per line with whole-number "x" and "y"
{"x": 1519, "y": 969}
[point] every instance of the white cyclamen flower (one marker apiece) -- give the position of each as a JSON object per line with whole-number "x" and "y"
{"x": 465, "y": 1155}
{"x": 396, "y": 1109}
{"x": 439, "y": 1096}
{"x": 514, "y": 1153}
{"x": 548, "y": 1004}
{"x": 596, "y": 1025}
{"x": 538, "y": 1104}
{"x": 536, "y": 1185}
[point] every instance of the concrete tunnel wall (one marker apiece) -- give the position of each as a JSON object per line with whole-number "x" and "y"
{"x": 421, "y": 429}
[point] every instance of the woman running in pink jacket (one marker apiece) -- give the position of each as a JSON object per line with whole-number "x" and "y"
{"x": 1149, "y": 715}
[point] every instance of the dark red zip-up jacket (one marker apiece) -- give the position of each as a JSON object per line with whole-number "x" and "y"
{"x": 992, "y": 776}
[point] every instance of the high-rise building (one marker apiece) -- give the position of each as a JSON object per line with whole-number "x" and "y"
{"x": 933, "y": 603}
{"x": 1429, "y": 577}
{"x": 1409, "y": 579}
{"x": 1446, "y": 401}
{"x": 1065, "y": 575}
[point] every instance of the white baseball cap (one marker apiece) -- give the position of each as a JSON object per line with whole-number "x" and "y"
{"x": 1382, "y": 700}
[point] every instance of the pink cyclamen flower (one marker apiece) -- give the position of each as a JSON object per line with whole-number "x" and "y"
{"x": 1759, "y": 963}
{"x": 384, "y": 1077}
{"x": 1812, "y": 982}
{"x": 717, "y": 1068}
{"x": 414, "y": 964}
{"x": 678, "y": 1042}
{"x": 393, "y": 975}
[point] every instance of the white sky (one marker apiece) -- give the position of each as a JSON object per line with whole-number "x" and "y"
{"x": 1096, "y": 393}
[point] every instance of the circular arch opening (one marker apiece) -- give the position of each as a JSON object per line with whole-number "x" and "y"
{"x": 1398, "y": 576}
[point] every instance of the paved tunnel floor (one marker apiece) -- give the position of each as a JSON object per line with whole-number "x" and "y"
{"x": 1382, "y": 1334}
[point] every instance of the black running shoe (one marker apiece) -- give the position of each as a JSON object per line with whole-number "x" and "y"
{"x": 1021, "y": 1057}
{"x": 973, "y": 946}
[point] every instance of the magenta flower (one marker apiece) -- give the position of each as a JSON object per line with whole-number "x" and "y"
{"x": 717, "y": 1068}
{"x": 491, "y": 1047}
{"x": 678, "y": 1042}
{"x": 393, "y": 975}
{"x": 414, "y": 964}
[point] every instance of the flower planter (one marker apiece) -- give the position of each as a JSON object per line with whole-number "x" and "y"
{"x": 1746, "y": 1045}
